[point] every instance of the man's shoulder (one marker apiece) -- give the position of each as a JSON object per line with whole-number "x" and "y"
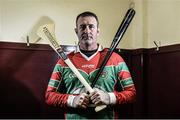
{"x": 72, "y": 54}
{"x": 114, "y": 54}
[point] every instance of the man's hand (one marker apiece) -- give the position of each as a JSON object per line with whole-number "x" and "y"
{"x": 81, "y": 101}
{"x": 99, "y": 97}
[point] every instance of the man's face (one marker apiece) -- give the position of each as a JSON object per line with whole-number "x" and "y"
{"x": 87, "y": 31}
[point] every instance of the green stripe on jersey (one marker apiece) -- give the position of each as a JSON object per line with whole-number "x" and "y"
{"x": 53, "y": 83}
{"x": 123, "y": 66}
{"x": 58, "y": 68}
{"x": 126, "y": 82}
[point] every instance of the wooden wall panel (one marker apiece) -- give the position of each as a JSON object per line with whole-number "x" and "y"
{"x": 135, "y": 61}
{"x": 157, "y": 79}
{"x": 163, "y": 83}
{"x": 24, "y": 75}
{"x": 25, "y": 72}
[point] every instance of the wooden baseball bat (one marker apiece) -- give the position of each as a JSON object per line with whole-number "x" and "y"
{"x": 45, "y": 34}
{"x": 119, "y": 34}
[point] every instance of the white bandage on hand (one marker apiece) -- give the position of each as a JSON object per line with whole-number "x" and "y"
{"x": 81, "y": 101}
{"x": 99, "y": 97}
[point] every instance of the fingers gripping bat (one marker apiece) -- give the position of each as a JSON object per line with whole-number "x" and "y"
{"x": 45, "y": 33}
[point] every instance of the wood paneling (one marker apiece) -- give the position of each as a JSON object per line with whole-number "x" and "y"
{"x": 25, "y": 72}
{"x": 135, "y": 61}
{"x": 24, "y": 75}
{"x": 157, "y": 79}
{"x": 163, "y": 83}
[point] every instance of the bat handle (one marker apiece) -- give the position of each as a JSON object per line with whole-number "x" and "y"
{"x": 100, "y": 107}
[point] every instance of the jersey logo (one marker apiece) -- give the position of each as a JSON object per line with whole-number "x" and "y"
{"x": 72, "y": 75}
{"x": 88, "y": 66}
{"x": 104, "y": 74}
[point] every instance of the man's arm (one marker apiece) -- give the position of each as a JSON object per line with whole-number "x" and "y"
{"x": 55, "y": 98}
{"x": 128, "y": 93}
{"x": 124, "y": 89}
{"x": 52, "y": 96}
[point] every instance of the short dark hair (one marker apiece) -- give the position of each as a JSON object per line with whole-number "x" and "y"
{"x": 86, "y": 14}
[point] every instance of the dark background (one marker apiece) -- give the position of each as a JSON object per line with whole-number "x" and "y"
{"x": 25, "y": 72}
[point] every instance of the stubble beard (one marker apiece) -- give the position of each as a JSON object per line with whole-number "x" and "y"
{"x": 87, "y": 40}
{"x": 88, "y": 44}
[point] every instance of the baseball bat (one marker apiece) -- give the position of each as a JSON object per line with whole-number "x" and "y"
{"x": 119, "y": 34}
{"x": 44, "y": 33}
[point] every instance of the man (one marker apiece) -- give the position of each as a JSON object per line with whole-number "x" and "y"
{"x": 113, "y": 88}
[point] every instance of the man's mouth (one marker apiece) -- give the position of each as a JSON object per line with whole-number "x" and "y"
{"x": 86, "y": 37}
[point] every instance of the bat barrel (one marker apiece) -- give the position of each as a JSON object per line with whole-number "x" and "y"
{"x": 122, "y": 29}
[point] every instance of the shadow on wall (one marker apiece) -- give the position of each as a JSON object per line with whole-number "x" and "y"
{"x": 32, "y": 33}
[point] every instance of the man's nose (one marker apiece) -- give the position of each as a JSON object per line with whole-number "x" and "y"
{"x": 87, "y": 30}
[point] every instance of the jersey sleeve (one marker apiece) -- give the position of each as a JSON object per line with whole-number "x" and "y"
{"x": 128, "y": 91}
{"x": 52, "y": 96}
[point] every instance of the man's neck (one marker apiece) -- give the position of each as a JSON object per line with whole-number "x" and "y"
{"x": 89, "y": 52}
{"x": 89, "y": 48}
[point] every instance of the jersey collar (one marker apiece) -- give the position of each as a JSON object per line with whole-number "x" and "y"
{"x": 100, "y": 48}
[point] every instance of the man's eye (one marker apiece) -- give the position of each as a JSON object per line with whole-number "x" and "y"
{"x": 83, "y": 27}
{"x": 91, "y": 26}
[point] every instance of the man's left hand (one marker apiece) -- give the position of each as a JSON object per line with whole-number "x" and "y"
{"x": 99, "y": 97}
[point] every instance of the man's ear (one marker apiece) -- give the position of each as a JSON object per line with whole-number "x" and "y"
{"x": 98, "y": 32}
{"x": 76, "y": 31}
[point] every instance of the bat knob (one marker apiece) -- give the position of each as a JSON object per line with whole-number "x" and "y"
{"x": 100, "y": 107}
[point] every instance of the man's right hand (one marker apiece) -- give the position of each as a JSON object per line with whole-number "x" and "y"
{"x": 81, "y": 101}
